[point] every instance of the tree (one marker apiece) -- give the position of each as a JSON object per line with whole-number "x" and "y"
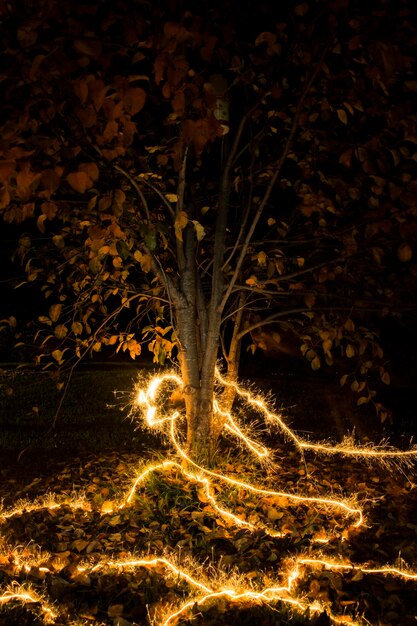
{"x": 195, "y": 173}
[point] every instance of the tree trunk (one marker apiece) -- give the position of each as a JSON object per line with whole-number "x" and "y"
{"x": 198, "y": 375}
{"x": 199, "y": 326}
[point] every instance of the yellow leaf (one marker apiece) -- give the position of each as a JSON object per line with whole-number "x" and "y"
{"x": 271, "y": 221}
{"x": 202, "y": 496}
{"x": 309, "y": 300}
{"x": 273, "y": 514}
{"x": 107, "y": 506}
{"x": 79, "y": 544}
{"x": 386, "y": 378}
{"x": 134, "y": 348}
{"x": 199, "y": 230}
{"x": 346, "y": 158}
{"x": 343, "y": 379}
{"x": 77, "y": 328}
{"x": 362, "y": 400}
{"x": 146, "y": 263}
{"x": 171, "y": 197}
{"x": 349, "y": 325}
{"x": 262, "y": 258}
{"x": 57, "y": 355}
{"x": 81, "y": 89}
{"x": 40, "y": 223}
{"x": 61, "y": 331}
{"x": 55, "y": 312}
{"x": 44, "y": 320}
{"x": 315, "y": 363}
{"x": 181, "y": 222}
{"x": 350, "y": 351}
{"x": 342, "y": 115}
{"x": 327, "y": 345}
{"x": 58, "y": 241}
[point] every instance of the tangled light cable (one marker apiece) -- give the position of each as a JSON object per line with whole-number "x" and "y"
{"x": 286, "y": 589}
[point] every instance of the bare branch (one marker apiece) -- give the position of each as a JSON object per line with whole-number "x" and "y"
{"x": 180, "y": 207}
{"x": 221, "y": 223}
{"x": 276, "y": 316}
{"x": 137, "y": 189}
{"x": 274, "y": 178}
{"x": 239, "y": 238}
{"x": 160, "y": 195}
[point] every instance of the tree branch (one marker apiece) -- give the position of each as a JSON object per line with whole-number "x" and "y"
{"x": 277, "y": 316}
{"x": 274, "y": 178}
{"x": 181, "y": 255}
{"x": 159, "y": 194}
{"x": 137, "y": 189}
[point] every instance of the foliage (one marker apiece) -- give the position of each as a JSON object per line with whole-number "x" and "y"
{"x": 300, "y": 208}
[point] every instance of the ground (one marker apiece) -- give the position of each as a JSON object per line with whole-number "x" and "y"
{"x": 91, "y": 560}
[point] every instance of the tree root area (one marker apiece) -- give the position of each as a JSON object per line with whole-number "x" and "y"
{"x": 73, "y": 558}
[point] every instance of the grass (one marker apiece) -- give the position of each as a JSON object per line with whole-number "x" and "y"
{"x": 94, "y": 451}
{"x": 94, "y": 416}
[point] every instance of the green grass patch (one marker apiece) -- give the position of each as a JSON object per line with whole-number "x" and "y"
{"x": 94, "y": 415}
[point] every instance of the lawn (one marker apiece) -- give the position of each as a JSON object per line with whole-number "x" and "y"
{"x": 80, "y": 545}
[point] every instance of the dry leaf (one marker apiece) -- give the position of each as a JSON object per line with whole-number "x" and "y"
{"x": 181, "y": 222}
{"x": 80, "y": 181}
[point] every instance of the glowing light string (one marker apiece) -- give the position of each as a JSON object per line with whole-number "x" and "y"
{"x": 233, "y": 591}
{"x": 333, "y": 565}
{"x": 239, "y": 596}
{"x": 26, "y": 595}
{"x": 327, "y": 502}
{"x": 146, "y": 399}
{"x": 203, "y": 481}
{"x": 47, "y": 502}
{"x": 373, "y": 452}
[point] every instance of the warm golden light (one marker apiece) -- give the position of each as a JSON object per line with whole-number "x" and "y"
{"x": 202, "y": 592}
{"x": 27, "y": 596}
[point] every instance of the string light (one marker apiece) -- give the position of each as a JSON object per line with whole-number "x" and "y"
{"x": 333, "y": 565}
{"x": 371, "y": 452}
{"x": 26, "y": 595}
{"x": 203, "y": 593}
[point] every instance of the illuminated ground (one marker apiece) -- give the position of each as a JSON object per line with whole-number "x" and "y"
{"x": 211, "y": 547}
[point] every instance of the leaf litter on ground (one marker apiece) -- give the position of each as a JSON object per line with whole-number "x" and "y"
{"x": 170, "y": 516}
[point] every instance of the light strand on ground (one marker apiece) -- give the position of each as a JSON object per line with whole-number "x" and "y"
{"x": 201, "y": 592}
{"x": 333, "y": 565}
{"x": 25, "y": 595}
{"x": 146, "y": 401}
{"x": 371, "y": 451}
{"x": 326, "y": 502}
{"x": 202, "y": 480}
